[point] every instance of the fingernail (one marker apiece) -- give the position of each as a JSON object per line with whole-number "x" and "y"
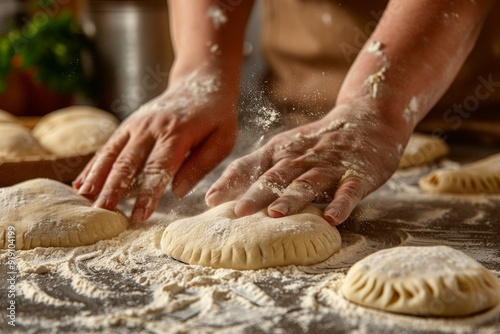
{"x": 86, "y": 189}
{"x": 281, "y": 209}
{"x": 332, "y": 220}
{"x": 76, "y": 184}
{"x": 102, "y": 203}
{"x": 213, "y": 198}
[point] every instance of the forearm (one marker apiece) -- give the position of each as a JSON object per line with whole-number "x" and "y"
{"x": 423, "y": 46}
{"x": 201, "y": 39}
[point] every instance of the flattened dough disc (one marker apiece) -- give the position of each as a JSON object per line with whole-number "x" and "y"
{"x": 47, "y": 213}
{"x": 219, "y": 239}
{"x": 426, "y": 281}
{"x": 482, "y": 176}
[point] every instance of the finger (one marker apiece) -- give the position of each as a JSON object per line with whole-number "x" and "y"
{"x": 314, "y": 184}
{"x": 347, "y": 196}
{"x": 80, "y": 179}
{"x": 237, "y": 177}
{"x": 125, "y": 168}
{"x": 163, "y": 162}
{"x": 153, "y": 187}
{"x": 270, "y": 186}
{"x": 202, "y": 160}
{"x": 94, "y": 176}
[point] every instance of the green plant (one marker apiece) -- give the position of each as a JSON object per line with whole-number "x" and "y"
{"x": 53, "y": 49}
{"x": 6, "y": 55}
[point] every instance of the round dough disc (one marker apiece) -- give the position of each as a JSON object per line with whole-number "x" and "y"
{"x": 16, "y": 142}
{"x": 426, "y": 281}
{"x": 47, "y": 213}
{"x": 219, "y": 239}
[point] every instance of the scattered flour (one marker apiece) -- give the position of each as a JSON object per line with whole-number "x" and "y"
{"x": 374, "y": 80}
{"x": 411, "y": 111}
{"x": 375, "y": 47}
{"x": 267, "y": 117}
{"x": 217, "y": 15}
{"x": 326, "y": 18}
{"x": 331, "y": 127}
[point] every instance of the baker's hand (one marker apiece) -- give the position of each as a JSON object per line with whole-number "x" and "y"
{"x": 180, "y": 135}
{"x": 339, "y": 159}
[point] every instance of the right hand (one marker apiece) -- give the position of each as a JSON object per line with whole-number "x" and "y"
{"x": 182, "y": 134}
{"x": 338, "y": 160}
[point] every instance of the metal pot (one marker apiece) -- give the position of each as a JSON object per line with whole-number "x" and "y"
{"x": 133, "y": 53}
{"x": 10, "y": 12}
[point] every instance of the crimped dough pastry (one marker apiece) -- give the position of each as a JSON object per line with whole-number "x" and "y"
{"x": 423, "y": 149}
{"x": 425, "y": 281}
{"x": 47, "y": 213}
{"x": 219, "y": 239}
{"x": 482, "y": 176}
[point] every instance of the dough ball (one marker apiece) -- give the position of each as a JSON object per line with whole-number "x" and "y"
{"x": 75, "y": 130}
{"x": 219, "y": 239}
{"x": 6, "y": 117}
{"x": 67, "y": 115}
{"x": 423, "y": 149}
{"x": 47, "y": 213}
{"x": 425, "y": 281}
{"x": 482, "y": 176}
{"x": 16, "y": 142}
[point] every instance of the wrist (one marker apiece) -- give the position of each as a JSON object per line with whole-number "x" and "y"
{"x": 366, "y": 114}
{"x": 226, "y": 77}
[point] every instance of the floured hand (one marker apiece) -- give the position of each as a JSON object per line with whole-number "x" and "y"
{"x": 339, "y": 159}
{"x": 180, "y": 135}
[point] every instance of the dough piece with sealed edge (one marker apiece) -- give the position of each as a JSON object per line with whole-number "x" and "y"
{"x": 218, "y": 238}
{"x": 480, "y": 177}
{"x": 425, "y": 281}
{"x": 48, "y": 213}
{"x": 423, "y": 149}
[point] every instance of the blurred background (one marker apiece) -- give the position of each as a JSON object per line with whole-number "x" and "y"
{"x": 113, "y": 54}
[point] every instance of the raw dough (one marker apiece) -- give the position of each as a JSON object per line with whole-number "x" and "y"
{"x": 6, "y": 117}
{"x": 426, "y": 281}
{"x": 16, "y": 142}
{"x": 67, "y": 115}
{"x": 422, "y": 149}
{"x": 482, "y": 176}
{"x": 47, "y": 213}
{"x": 217, "y": 238}
{"x": 75, "y": 130}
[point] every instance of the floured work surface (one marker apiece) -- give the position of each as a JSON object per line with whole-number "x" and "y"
{"x": 127, "y": 285}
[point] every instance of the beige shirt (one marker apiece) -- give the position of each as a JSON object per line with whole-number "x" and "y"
{"x": 309, "y": 46}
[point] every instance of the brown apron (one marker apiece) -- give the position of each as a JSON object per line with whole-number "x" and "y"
{"x": 309, "y": 46}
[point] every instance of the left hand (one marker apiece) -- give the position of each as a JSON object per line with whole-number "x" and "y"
{"x": 339, "y": 159}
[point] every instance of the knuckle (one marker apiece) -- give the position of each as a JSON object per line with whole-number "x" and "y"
{"x": 156, "y": 166}
{"x": 107, "y": 152}
{"x": 123, "y": 169}
{"x": 351, "y": 190}
{"x": 273, "y": 176}
{"x": 238, "y": 166}
{"x": 303, "y": 184}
